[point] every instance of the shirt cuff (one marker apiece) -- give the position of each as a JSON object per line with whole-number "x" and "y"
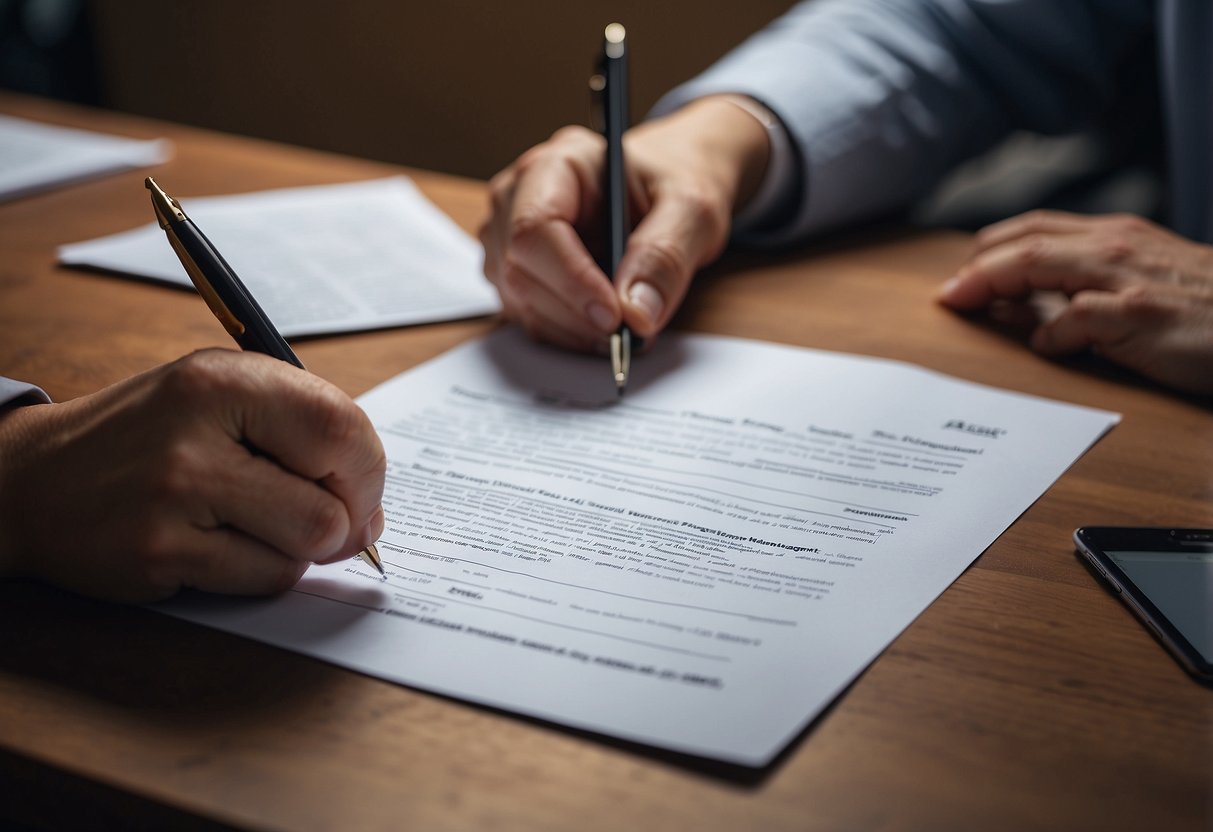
{"x": 15, "y": 393}
{"x": 775, "y": 201}
{"x": 770, "y": 201}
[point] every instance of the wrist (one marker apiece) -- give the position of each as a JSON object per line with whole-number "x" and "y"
{"x": 726, "y": 143}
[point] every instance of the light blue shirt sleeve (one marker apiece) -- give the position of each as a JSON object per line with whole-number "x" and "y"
{"x": 881, "y": 98}
{"x": 13, "y": 391}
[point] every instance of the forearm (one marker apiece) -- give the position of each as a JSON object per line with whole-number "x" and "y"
{"x": 882, "y": 97}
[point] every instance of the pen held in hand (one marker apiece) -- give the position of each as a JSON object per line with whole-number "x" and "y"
{"x": 227, "y": 296}
{"x": 612, "y": 83}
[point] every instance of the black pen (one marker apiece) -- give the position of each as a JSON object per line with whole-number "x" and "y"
{"x": 226, "y": 295}
{"x": 613, "y": 81}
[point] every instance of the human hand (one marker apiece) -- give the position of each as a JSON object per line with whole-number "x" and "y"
{"x": 147, "y": 487}
{"x": 686, "y": 172}
{"x": 1138, "y": 294}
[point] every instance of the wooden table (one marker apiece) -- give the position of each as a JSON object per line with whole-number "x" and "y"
{"x": 1026, "y": 697}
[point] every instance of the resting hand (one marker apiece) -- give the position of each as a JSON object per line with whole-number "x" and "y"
{"x": 686, "y": 172}
{"x": 1138, "y": 294}
{"x": 148, "y": 486}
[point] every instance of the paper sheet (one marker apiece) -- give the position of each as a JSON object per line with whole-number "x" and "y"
{"x": 701, "y": 566}
{"x": 322, "y": 259}
{"x": 37, "y": 157}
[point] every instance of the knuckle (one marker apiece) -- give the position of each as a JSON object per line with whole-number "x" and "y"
{"x": 179, "y": 471}
{"x": 501, "y": 181}
{"x": 340, "y": 421}
{"x": 1115, "y": 252}
{"x": 665, "y": 259}
{"x": 1033, "y": 251}
{"x": 526, "y": 226}
{"x": 501, "y": 189}
{"x": 200, "y": 376}
{"x": 1115, "y": 249}
{"x": 1029, "y": 222}
{"x": 530, "y": 159}
{"x": 377, "y": 462}
{"x": 1123, "y": 235}
{"x": 573, "y": 134}
{"x": 1138, "y": 300}
{"x": 323, "y": 526}
{"x": 568, "y": 145}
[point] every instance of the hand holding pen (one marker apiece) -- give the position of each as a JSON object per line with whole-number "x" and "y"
{"x": 612, "y": 84}
{"x": 235, "y": 307}
{"x": 148, "y": 486}
{"x": 145, "y": 487}
{"x": 685, "y": 173}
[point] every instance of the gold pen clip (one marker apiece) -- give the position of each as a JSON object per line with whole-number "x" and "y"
{"x": 168, "y": 210}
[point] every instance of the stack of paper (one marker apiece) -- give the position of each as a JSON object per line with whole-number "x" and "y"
{"x": 37, "y": 157}
{"x": 323, "y": 259}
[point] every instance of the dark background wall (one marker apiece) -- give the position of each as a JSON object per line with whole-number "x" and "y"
{"x": 461, "y": 86}
{"x": 47, "y": 49}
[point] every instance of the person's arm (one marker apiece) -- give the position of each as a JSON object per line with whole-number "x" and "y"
{"x": 879, "y": 97}
{"x": 151, "y": 485}
{"x": 685, "y": 173}
{"x": 884, "y": 97}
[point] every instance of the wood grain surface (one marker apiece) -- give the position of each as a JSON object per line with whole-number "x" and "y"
{"x": 1026, "y": 697}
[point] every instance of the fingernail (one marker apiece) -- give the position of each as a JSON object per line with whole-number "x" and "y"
{"x": 648, "y": 299}
{"x": 601, "y": 316}
{"x": 948, "y": 287}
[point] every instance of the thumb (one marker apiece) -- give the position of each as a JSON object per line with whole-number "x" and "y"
{"x": 677, "y": 236}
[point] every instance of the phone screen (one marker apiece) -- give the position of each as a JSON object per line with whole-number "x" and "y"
{"x": 1180, "y": 585}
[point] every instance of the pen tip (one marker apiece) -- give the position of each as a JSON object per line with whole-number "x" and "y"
{"x": 371, "y": 555}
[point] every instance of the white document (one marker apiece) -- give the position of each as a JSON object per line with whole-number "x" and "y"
{"x": 37, "y": 157}
{"x": 702, "y": 565}
{"x": 322, "y": 259}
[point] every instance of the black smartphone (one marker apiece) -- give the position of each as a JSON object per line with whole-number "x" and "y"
{"x": 1165, "y": 575}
